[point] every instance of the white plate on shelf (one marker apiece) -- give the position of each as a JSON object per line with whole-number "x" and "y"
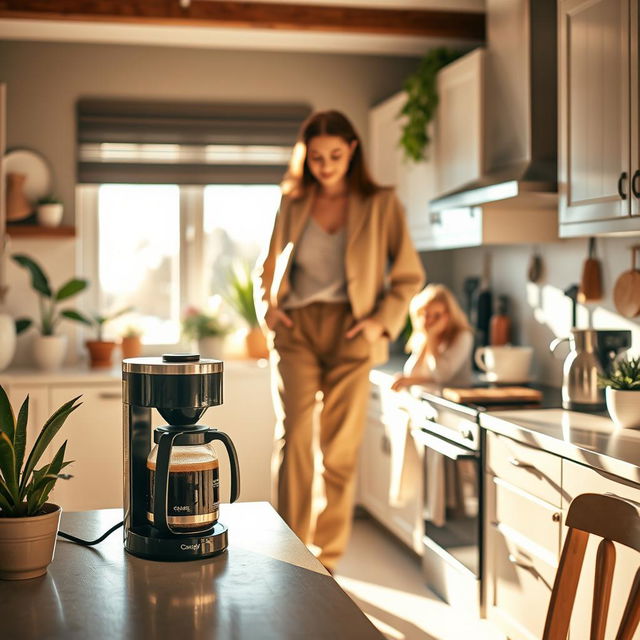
{"x": 35, "y": 167}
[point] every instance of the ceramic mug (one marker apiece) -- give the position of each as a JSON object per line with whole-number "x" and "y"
{"x": 505, "y": 363}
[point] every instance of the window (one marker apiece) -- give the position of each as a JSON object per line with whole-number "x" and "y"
{"x": 161, "y": 248}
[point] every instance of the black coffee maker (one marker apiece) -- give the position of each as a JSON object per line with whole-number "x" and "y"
{"x": 171, "y": 490}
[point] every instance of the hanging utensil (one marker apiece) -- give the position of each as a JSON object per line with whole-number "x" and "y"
{"x": 591, "y": 282}
{"x": 535, "y": 268}
{"x": 626, "y": 293}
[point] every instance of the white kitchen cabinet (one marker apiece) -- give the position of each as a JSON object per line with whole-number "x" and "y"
{"x": 579, "y": 479}
{"x": 460, "y": 122}
{"x": 385, "y": 428}
{"x": 599, "y": 145}
{"x": 94, "y": 442}
{"x": 414, "y": 181}
{"x": 522, "y": 535}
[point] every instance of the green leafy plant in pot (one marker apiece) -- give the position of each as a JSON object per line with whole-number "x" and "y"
{"x": 101, "y": 350}
{"x": 240, "y": 298}
{"x": 622, "y": 392}
{"x": 49, "y": 347}
{"x": 28, "y": 523}
{"x": 207, "y": 328}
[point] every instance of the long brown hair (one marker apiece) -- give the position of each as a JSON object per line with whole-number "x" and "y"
{"x": 299, "y": 178}
{"x": 458, "y": 321}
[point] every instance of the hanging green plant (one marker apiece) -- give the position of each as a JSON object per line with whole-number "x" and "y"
{"x": 422, "y": 100}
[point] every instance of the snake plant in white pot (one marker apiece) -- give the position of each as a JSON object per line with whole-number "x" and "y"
{"x": 622, "y": 393}
{"x": 28, "y": 523}
{"x": 49, "y": 347}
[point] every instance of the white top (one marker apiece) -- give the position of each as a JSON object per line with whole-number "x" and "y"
{"x": 452, "y": 366}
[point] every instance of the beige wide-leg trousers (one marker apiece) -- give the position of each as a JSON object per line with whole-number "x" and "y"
{"x": 313, "y": 356}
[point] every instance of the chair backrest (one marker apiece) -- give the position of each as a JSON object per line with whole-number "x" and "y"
{"x": 614, "y": 520}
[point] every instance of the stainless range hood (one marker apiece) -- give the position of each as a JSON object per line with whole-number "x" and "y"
{"x": 520, "y": 122}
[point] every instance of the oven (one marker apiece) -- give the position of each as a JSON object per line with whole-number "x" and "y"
{"x": 450, "y": 437}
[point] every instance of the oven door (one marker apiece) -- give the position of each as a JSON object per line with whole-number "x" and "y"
{"x": 452, "y": 519}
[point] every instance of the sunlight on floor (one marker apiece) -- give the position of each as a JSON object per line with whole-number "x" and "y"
{"x": 386, "y": 581}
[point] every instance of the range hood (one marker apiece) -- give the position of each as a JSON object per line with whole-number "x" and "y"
{"x": 520, "y": 110}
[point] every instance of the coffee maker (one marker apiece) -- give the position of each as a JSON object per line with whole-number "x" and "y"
{"x": 171, "y": 489}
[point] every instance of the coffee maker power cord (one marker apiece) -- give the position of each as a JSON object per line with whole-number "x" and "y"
{"x": 90, "y": 543}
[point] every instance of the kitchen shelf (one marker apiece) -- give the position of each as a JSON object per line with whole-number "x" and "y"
{"x": 38, "y": 231}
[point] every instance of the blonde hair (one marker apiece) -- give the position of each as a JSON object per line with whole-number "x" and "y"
{"x": 458, "y": 321}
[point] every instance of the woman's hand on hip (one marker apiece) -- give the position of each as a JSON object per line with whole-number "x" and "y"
{"x": 274, "y": 316}
{"x": 370, "y": 329}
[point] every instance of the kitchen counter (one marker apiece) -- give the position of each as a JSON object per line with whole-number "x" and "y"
{"x": 590, "y": 439}
{"x": 267, "y": 586}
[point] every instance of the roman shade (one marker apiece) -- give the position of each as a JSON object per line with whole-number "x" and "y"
{"x": 148, "y": 142}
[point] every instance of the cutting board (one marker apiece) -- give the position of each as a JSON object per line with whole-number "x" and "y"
{"x": 492, "y": 395}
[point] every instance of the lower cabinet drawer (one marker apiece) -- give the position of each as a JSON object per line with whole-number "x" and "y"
{"x": 520, "y": 588}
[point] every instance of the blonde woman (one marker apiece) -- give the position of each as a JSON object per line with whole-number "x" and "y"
{"x": 333, "y": 287}
{"x": 441, "y": 343}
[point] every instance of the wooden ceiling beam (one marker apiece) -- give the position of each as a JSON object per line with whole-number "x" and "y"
{"x": 217, "y": 13}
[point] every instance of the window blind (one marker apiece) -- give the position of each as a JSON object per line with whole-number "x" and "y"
{"x": 185, "y": 143}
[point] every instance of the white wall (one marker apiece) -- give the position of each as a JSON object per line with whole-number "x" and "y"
{"x": 45, "y": 80}
{"x": 541, "y": 312}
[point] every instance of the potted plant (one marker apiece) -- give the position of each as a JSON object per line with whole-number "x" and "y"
{"x": 28, "y": 523}
{"x": 101, "y": 350}
{"x": 208, "y": 328}
{"x": 240, "y": 297}
{"x": 131, "y": 344}
{"x": 48, "y": 346}
{"x": 622, "y": 393}
{"x": 49, "y": 211}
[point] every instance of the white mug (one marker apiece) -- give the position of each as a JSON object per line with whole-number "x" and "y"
{"x": 505, "y": 364}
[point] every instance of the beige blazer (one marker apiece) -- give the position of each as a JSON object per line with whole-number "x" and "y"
{"x": 382, "y": 267}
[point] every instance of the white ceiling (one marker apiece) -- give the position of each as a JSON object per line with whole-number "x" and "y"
{"x": 248, "y": 39}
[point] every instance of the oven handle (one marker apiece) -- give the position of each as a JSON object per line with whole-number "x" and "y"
{"x": 443, "y": 447}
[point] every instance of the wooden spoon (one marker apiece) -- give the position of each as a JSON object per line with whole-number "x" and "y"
{"x": 626, "y": 293}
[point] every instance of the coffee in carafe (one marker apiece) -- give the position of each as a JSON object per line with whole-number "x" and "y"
{"x": 193, "y": 495}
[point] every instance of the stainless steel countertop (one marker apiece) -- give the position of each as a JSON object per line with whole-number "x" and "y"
{"x": 589, "y": 439}
{"x": 267, "y": 585}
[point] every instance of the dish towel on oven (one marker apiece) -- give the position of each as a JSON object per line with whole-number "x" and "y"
{"x": 405, "y": 467}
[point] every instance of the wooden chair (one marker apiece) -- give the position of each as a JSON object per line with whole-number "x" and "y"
{"x": 615, "y": 520}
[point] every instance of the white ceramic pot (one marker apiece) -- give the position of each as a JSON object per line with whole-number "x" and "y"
{"x": 7, "y": 340}
{"x": 49, "y": 215}
{"x": 211, "y": 347}
{"x": 623, "y": 407}
{"x": 49, "y": 351}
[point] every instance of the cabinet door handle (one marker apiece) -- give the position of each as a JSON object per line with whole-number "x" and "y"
{"x": 621, "y": 180}
{"x": 521, "y": 465}
{"x": 556, "y": 517}
{"x": 110, "y": 395}
{"x": 634, "y": 184}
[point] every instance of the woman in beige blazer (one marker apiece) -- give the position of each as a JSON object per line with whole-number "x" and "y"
{"x": 332, "y": 289}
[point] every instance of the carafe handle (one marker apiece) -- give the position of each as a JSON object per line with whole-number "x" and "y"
{"x": 479, "y": 358}
{"x": 214, "y": 434}
{"x": 161, "y": 488}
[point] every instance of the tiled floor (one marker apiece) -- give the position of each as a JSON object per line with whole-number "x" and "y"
{"x": 385, "y": 580}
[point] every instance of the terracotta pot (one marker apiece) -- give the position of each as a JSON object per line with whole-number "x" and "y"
{"x": 27, "y": 544}
{"x": 131, "y": 347}
{"x": 256, "y": 343}
{"x": 18, "y": 206}
{"x": 100, "y": 352}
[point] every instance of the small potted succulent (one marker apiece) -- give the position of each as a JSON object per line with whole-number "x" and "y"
{"x": 49, "y": 347}
{"x": 208, "y": 328}
{"x": 101, "y": 350}
{"x": 622, "y": 393}
{"x": 240, "y": 298}
{"x": 49, "y": 211}
{"x": 28, "y": 523}
{"x": 131, "y": 344}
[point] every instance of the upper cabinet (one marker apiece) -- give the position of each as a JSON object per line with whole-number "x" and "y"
{"x": 599, "y": 150}
{"x": 414, "y": 181}
{"x": 460, "y": 123}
